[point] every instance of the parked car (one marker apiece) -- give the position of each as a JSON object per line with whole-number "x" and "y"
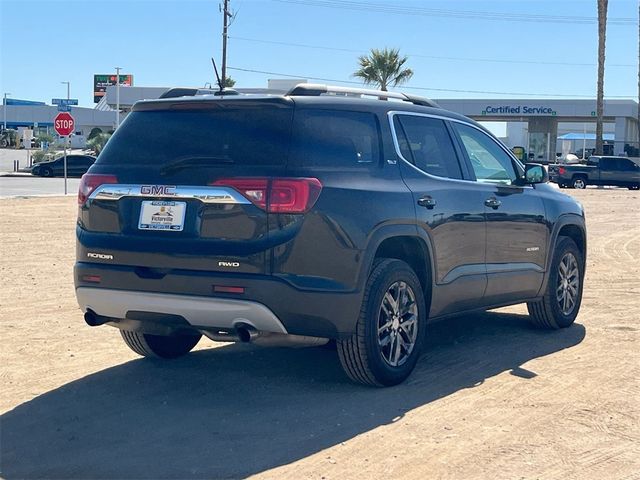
{"x": 599, "y": 170}
{"x": 299, "y": 218}
{"x": 77, "y": 165}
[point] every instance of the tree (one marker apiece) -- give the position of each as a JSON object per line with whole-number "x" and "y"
{"x": 94, "y": 131}
{"x": 98, "y": 142}
{"x": 602, "y": 36}
{"x": 229, "y": 82}
{"x": 383, "y": 68}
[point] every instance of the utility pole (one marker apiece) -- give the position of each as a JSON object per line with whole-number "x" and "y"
{"x": 4, "y": 109}
{"x": 225, "y": 25}
{"x": 118, "y": 96}
{"x": 67, "y": 83}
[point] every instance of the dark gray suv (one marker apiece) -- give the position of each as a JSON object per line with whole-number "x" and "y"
{"x": 338, "y": 214}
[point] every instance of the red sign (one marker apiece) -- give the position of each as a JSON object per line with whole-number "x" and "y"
{"x": 64, "y": 124}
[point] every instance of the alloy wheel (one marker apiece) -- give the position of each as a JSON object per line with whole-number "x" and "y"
{"x": 568, "y": 283}
{"x": 397, "y": 324}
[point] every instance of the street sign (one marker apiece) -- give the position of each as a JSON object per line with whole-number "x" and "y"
{"x": 64, "y": 104}
{"x": 64, "y": 124}
{"x": 64, "y": 101}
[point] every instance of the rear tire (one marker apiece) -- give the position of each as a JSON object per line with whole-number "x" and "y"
{"x": 560, "y": 304}
{"x": 390, "y": 328}
{"x": 158, "y": 346}
{"x": 579, "y": 183}
{"x": 634, "y": 187}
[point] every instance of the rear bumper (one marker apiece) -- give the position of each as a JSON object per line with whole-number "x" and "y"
{"x": 199, "y": 312}
{"x": 268, "y": 303}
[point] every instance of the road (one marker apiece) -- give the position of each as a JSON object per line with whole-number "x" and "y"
{"x": 35, "y": 186}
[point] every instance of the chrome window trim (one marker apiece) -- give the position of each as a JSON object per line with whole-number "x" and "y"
{"x": 396, "y": 144}
{"x": 206, "y": 194}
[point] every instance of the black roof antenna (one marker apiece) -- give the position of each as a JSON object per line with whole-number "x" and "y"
{"x": 215, "y": 69}
{"x": 221, "y": 89}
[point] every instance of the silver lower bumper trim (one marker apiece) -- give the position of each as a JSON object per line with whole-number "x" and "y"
{"x": 203, "y": 312}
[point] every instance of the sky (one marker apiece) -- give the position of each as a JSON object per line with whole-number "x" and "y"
{"x": 456, "y": 48}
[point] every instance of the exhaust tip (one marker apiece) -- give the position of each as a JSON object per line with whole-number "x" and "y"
{"x": 247, "y": 334}
{"x": 91, "y": 318}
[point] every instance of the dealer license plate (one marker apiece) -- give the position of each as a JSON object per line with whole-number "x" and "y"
{"x": 159, "y": 215}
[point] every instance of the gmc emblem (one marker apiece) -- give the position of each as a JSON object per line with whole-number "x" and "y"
{"x": 159, "y": 190}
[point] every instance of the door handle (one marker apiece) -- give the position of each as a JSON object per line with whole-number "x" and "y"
{"x": 427, "y": 202}
{"x": 493, "y": 203}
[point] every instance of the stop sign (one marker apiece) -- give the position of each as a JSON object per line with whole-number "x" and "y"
{"x": 64, "y": 124}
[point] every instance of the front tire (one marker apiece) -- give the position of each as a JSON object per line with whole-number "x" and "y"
{"x": 390, "y": 329}
{"x": 159, "y": 346}
{"x": 46, "y": 172}
{"x": 560, "y": 304}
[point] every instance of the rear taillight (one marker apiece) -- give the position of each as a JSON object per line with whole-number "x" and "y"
{"x": 562, "y": 170}
{"x": 89, "y": 182}
{"x": 277, "y": 195}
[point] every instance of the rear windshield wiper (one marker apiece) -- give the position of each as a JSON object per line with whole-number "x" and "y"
{"x": 190, "y": 162}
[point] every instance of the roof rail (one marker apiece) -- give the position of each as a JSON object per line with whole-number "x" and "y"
{"x": 316, "y": 89}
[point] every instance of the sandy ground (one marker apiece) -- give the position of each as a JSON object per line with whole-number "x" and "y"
{"x": 491, "y": 399}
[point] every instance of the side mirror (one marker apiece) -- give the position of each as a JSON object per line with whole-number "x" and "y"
{"x": 535, "y": 173}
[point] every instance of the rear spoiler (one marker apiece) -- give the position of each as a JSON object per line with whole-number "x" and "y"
{"x": 176, "y": 92}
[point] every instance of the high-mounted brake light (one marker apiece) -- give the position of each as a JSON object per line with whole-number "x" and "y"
{"x": 89, "y": 182}
{"x": 277, "y": 195}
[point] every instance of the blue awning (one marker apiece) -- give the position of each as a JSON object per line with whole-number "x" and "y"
{"x": 585, "y": 136}
{"x": 17, "y": 101}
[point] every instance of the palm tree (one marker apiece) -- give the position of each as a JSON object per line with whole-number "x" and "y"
{"x": 602, "y": 36}
{"x": 383, "y": 68}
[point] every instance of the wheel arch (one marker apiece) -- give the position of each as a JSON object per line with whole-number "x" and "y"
{"x": 403, "y": 243}
{"x": 572, "y": 226}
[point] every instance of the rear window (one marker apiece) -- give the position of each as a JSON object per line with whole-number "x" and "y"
{"x": 234, "y": 135}
{"x": 335, "y": 138}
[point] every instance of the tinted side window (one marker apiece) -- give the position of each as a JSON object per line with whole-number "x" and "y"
{"x": 336, "y": 138}
{"x": 489, "y": 161}
{"x": 626, "y": 165}
{"x": 608, "y": 164}
{"x": 426, "y": 143}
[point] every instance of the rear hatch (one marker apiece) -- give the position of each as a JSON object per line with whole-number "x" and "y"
{"x": 184, "y": 184}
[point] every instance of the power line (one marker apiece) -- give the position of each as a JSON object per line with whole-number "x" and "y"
{"x": 351, "y": 82}
{"x": 435, "y": 57}
{"x": 461, "y": 14}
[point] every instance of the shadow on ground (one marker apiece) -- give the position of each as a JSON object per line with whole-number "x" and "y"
{"x": 238, "y": 410}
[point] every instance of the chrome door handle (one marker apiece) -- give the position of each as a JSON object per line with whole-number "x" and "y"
{"x": 427, "y": 202}
{"x": 493, "y": 203}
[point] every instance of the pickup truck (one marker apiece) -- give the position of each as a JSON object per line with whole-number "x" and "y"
{"x": 599, "y": 170}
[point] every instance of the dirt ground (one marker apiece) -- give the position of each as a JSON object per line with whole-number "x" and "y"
{"x": 492, "y": 398}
